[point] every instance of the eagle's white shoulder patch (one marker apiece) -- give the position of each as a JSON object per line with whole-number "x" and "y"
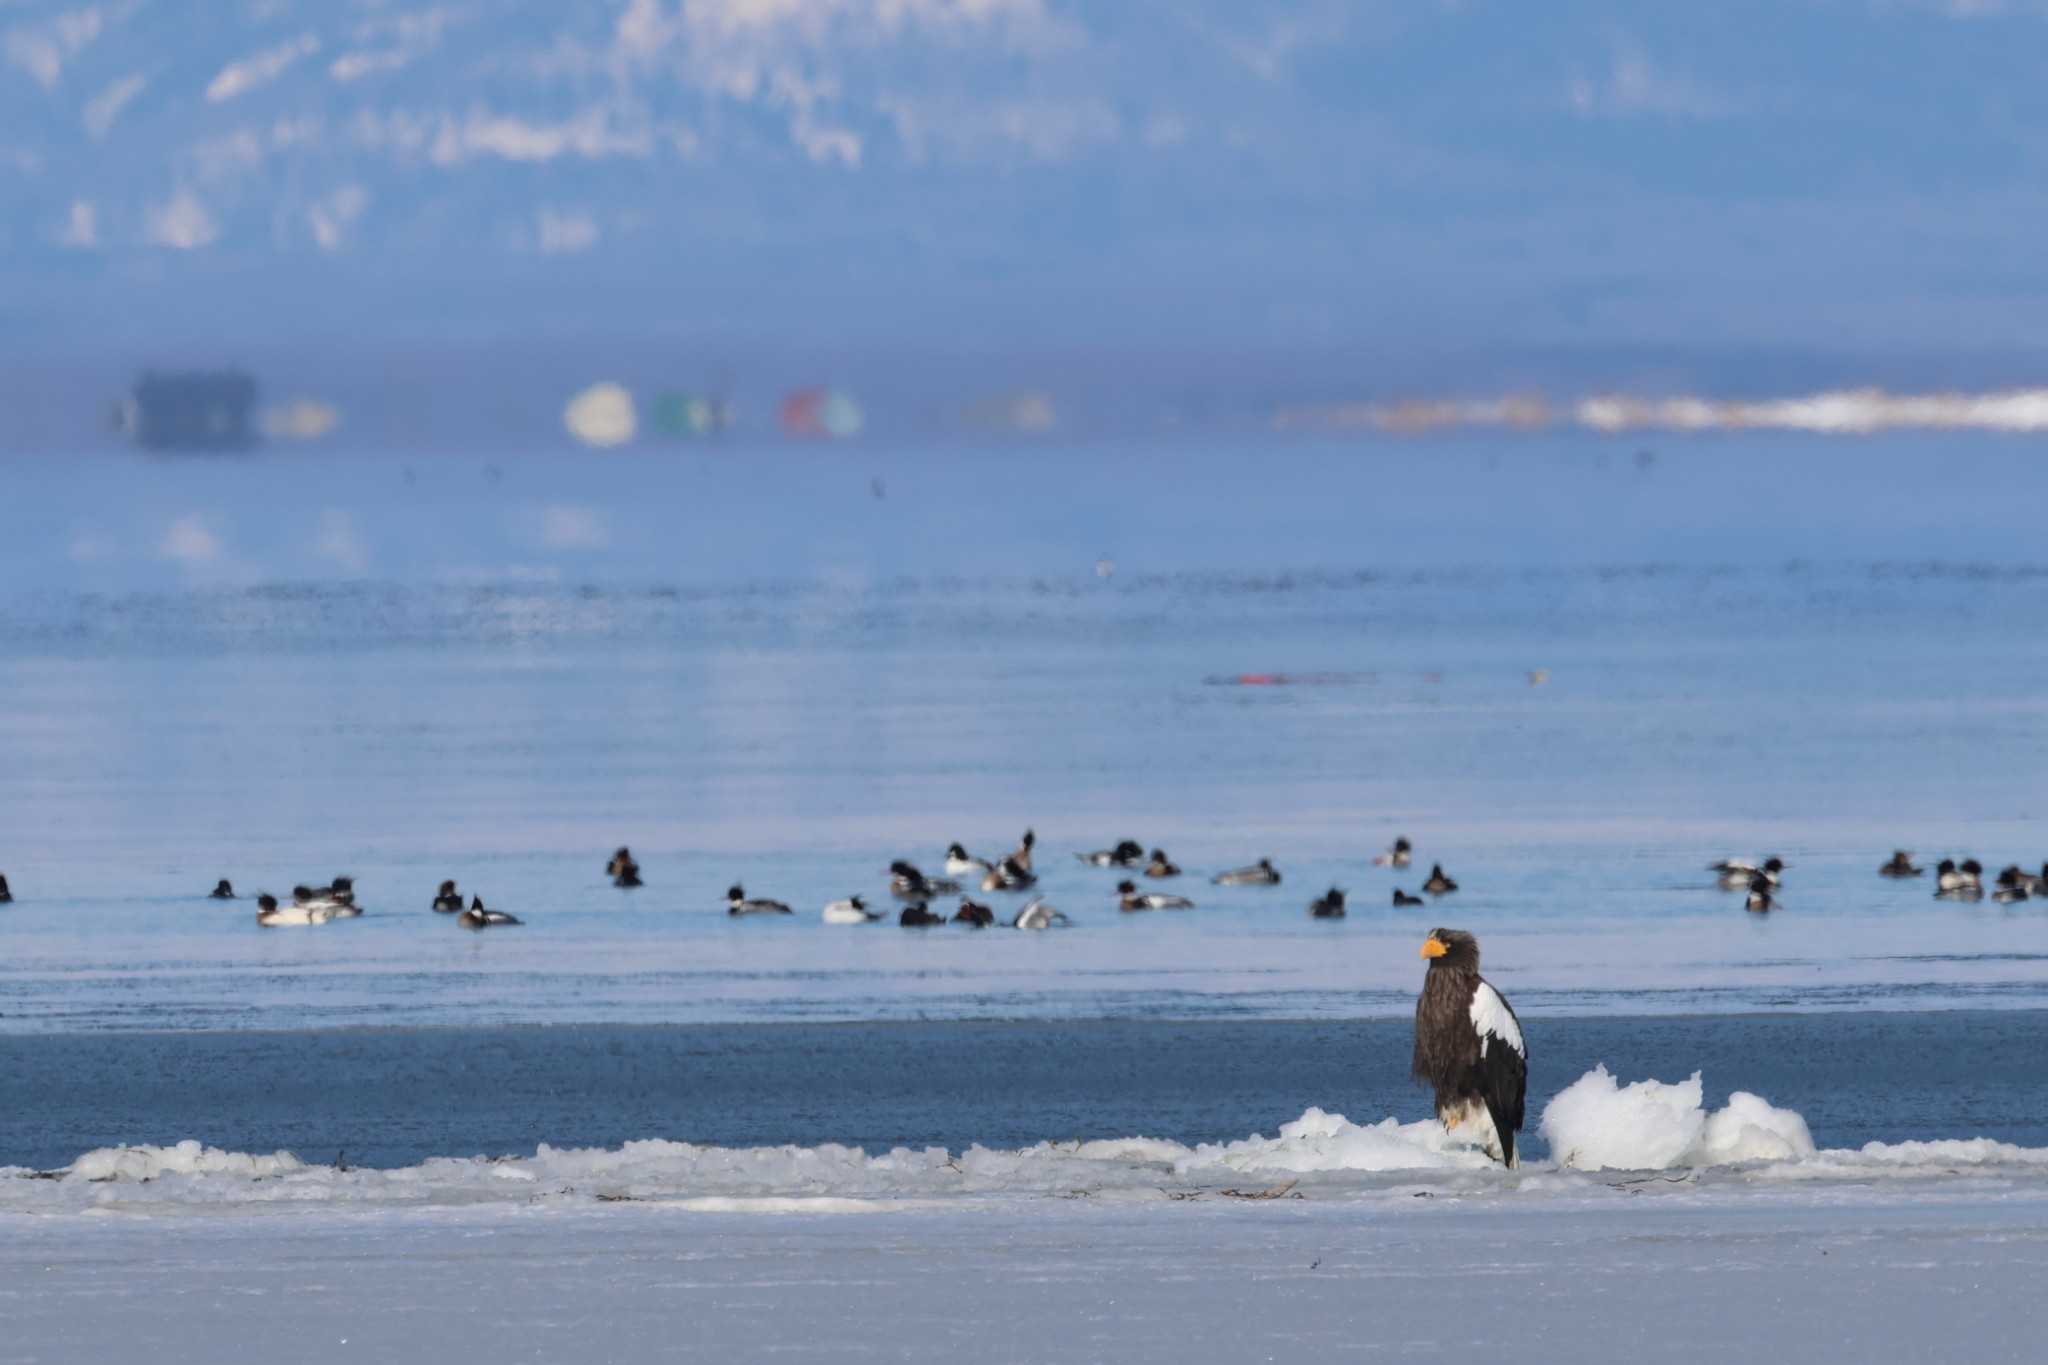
{"x": 1491, "y": 1018}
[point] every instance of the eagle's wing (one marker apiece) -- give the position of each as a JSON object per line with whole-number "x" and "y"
{"x": 1503, "y": 1069}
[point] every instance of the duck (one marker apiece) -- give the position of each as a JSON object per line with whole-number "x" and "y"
{"x": 624, "y": 872}
{"x": 2013, "y": 877}
{"x": 1397, "y": 855}
{"x": 736, "y": 903}
{"x": 1760, "y": 900}
{"x": 960, "y": 864}
{"x": 1951, "y": 878}
{"x": 1260, "y": 873}
{"x": 1901, "y": 865}
{"x": 919, "y": 916}
{"x": 1438, "y": 884}
{"x": 322, "y": 905}
{"x": 852, "y": 910}
{"x": 1009, "y": 875}
{"x": 1133, "y": 899}
{"x": 1037, "y": 915}
{"x": 1329, "y": 905}
{"x": 1737, "y": 873}
{"x": 1402, "y": 899}
{"x": 1161, "y": 865}
{"x": 5, "y": 894}
{"x": 1022, "y": 856}
{"x": 447, "y": 900}
{"x": 907, "y": 883}
{"x": 974, "y": 913}
{"x": 223, "y": 890}
{"x": 270, "y": 914}
{"x": 476, "y": 917}
{"x": 342, "y": 891}
{"x": 1126, "y": 853}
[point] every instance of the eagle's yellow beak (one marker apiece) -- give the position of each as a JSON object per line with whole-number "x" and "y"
{"x": 1434, "y": 948}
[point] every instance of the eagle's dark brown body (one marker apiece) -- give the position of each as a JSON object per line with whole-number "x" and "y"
{"x": 1468, "y": 1043}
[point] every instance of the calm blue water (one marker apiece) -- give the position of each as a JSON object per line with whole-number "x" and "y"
{"x": 751, "y": 668}
{"x": 395, "y": 1097}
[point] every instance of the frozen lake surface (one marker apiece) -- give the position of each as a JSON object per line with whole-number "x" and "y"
{"x": 1162, "y": 1266}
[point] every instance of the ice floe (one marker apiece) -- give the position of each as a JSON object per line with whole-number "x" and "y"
{"x": 1598, "y": 1124}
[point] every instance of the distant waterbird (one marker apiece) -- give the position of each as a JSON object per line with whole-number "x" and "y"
{"x": 1009, "y": 875}
{"x": 624, "y": 872}
{"x": 1260, "y": 873}
{"x": 1901, "y": 865}
{"x": 852, "y": 910}
{"x": 1126, "y": 853}
{"x": 223, "y": 890}
{"x": 1962, "y": 881}
{"x": 1737, "y": 873}
{"x": 1022, "y": 855}
{"x": 1037, "y": 915}
{"x": 906, "y": 882}
{"x": 959, "y": 863}
{"x": 477, "y": 917}
{"x": 1160, "y": 865}
{"x": 1130, "y": 898}
{"x": 737, "y": 903}
{"x": 300, "y": 912}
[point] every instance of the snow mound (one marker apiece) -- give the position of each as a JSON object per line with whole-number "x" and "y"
{"x": 1598, "y": 1124}
{"x": 1319, "y": 1141}
{"x": 187, "y": 1158}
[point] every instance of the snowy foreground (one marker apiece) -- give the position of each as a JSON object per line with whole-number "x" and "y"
{"x": 1663, "y": 1231}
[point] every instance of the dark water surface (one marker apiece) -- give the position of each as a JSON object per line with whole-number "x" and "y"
{"x": 393, "y": 1097}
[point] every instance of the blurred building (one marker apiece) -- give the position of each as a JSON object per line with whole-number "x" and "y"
{"x": 821, "y": 414}
{"x": 196, "y": 410}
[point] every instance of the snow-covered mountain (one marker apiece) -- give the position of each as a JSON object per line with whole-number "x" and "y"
{"x": 1208, "y": 174}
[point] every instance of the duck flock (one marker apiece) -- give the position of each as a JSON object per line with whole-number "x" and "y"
{"x": 1013, "y": 873}
{"x": 965, "y": 876}
{"x": 1953, "y": 880}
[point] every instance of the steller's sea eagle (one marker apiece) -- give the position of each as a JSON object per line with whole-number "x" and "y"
{"x": 1468, "y": 1045}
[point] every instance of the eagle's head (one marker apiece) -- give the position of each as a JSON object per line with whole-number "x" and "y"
{"x": 1453, "y": 948}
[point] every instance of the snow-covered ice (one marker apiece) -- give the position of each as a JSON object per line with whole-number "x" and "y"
{"x": 1594, "y": 1127}
{"x": 1652, "y": 1222}
{"x": 1650, "y": 1272}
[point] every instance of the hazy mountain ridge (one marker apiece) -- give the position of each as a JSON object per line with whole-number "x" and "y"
{"x": 1309, "y": 172}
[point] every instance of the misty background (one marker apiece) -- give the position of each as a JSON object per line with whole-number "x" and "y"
{"x": 1003, "y": 286}
{"x": 1185, "y": 211}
